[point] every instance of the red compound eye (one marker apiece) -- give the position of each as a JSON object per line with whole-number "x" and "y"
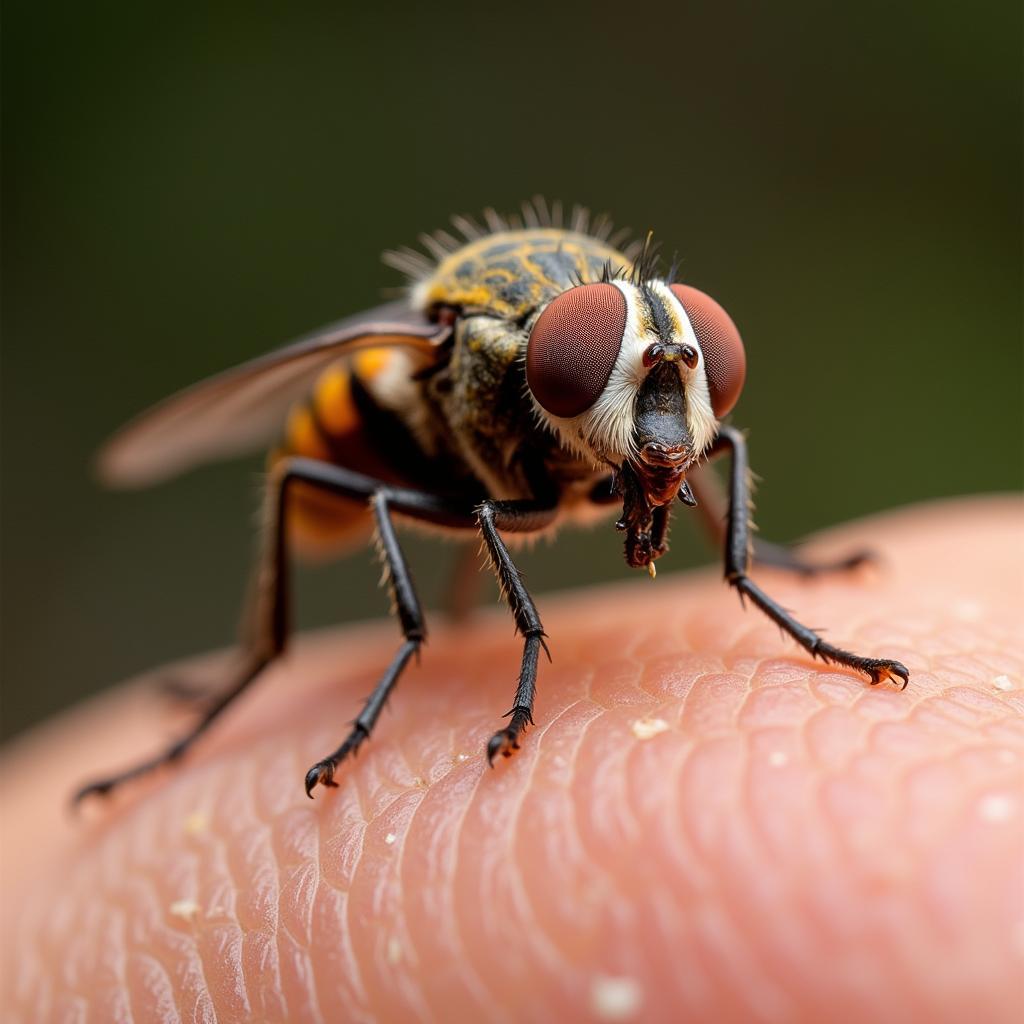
{"x": 573, "y": 347}
{"x": 725, "y": 360}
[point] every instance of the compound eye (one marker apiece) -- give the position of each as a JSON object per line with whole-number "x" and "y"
{"x": 725, "y": 360}
{"x": 573, "y": 347}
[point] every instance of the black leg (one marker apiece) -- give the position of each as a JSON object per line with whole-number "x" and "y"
{"x": 410, "y": 615}
{"x": 103, "y": 786}
{"x": 778, "y": 556}
{"x": 265, "y": 629}
{"x": 515, "y": 517}
{"x": 737, "y": 561}
{"x": 712, "y": 506}
{"x": 267, "y": 618}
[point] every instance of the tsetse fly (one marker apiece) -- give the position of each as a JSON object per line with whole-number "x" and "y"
{"x": 536, "y": 373}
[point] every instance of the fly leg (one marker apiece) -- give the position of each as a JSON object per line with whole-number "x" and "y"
{"x": 737, "y": 561}
{"x": 264, "y": 623}
{"x": 515, "y": 517}
{"x": 711, "y": 504}
{"x": 410, "y": 615}
{"x": 266, "y": 628}
{"x": 383, "y": 500}
{"x": 269, "y": 620}
{"x": 779, "y": 556}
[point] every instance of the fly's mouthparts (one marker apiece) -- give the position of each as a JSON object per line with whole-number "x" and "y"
{"x": 655, "y": 454}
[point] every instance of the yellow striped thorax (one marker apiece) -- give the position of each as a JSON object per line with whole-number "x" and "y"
{"x": 510, "y": 273}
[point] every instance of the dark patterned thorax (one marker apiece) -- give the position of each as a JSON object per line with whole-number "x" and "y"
{"x": 498, "y": 283}
{"x": 467, "y": 428}
{"x": 511, "y": 273}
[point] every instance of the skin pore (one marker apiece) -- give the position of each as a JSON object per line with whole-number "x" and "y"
{"x": 703, "y": 824}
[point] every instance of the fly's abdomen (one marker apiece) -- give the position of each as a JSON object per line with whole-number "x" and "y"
{"x": 330, "y": 426}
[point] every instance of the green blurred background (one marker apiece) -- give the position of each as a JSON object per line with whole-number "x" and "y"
{"x": 184, "y": 188}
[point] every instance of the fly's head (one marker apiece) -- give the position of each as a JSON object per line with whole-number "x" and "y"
{"x": 636, "y": 375}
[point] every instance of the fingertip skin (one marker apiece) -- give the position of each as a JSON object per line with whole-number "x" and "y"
{"x": 704, "y": 824}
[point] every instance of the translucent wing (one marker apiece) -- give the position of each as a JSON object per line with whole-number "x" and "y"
{"x": 242, "y": 408}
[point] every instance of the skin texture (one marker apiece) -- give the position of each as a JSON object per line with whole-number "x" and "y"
{"x": 703, "y": 825}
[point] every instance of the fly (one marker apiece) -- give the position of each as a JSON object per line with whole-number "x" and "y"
{"x": 536, "y": 373}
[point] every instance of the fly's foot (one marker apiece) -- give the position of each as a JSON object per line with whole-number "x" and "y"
{"x": 103, "y": 787}
{"x": 854, "y": 560}
{"x": 100, "y": 789}
{"x": 506, "y": 742}
{"x": 882, "y": 670}
{"x": 322, "y": 773}
{"x": 878, "y": 670}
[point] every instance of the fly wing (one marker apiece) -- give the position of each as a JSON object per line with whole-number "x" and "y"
{"x": 242, "y": 408}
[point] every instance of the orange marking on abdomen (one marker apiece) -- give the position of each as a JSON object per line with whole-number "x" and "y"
{"x": 302, "y": 435}
{"x": 335, "y": 407}
{"x": 372, "y": 362}
{"x": 332, "y": 399}
{"x": 330, "y": 428}
{"x": 321, "y": 524}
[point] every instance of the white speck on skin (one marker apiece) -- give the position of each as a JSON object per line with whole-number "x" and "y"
{"x": 196, "y": 824}
{"x": 185, "y": 909}
{"x": 394, "y": 951}
{"x": 997, "y": 808}
{"x": 777, "y": 758}
{"x": 390, "y": 838}
{"x": 463, "y": 757}
{"x": 615, "y": 998}
{"x": 646, "y": 728}
{"x": 1002, "y": 683}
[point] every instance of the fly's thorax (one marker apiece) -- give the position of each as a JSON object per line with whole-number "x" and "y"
{"x": 481, "y": 399}
{"x": 510, "y": 273}
{"x": 563, "y": 343}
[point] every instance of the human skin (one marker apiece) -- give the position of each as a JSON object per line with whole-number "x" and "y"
{"x": 704, "y": 824}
